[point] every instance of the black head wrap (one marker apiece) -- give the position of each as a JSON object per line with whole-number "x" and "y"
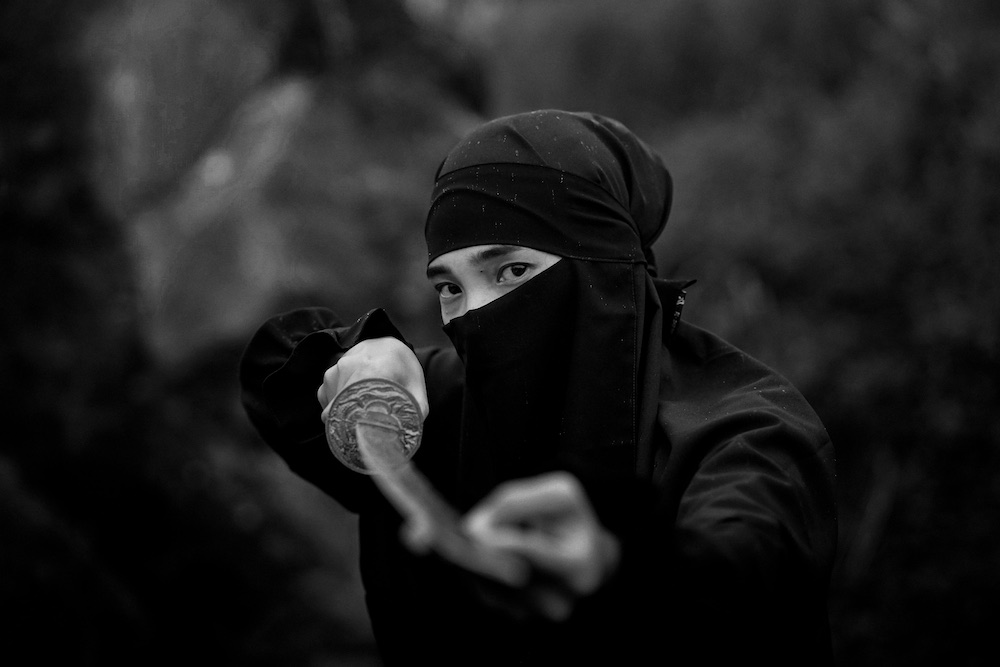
{"x": 573, "y": 184}
{"x": 563, "y": 371}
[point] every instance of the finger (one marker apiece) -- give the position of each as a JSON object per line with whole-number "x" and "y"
{"x": 531, "y": 500}
{"x": 552, "y": 603}
{"x": 331, "y": 385}
{"x": 419, "y": 393}
{"x": 511, "y": 499}
{"x": 514, "y": 603}
{"x": 418, "y": 536}
{"x": 539, "y": 600}
{"x": 558, "y": 555}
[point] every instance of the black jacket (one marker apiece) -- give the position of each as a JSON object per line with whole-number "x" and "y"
{"x": 728, "y": 538}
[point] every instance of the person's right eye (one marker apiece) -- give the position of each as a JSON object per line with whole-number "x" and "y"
{"x": 447, "y": 291}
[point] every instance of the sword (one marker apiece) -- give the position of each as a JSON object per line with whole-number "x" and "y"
{"x": 374, "y": 427}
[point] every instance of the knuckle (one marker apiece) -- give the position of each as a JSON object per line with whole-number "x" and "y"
{"x": 565, "y": 483}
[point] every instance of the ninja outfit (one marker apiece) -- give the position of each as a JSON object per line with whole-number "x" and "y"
{"x": 710, "y": 468}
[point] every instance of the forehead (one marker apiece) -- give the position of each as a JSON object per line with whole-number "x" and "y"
{"x": 478, "y": 255}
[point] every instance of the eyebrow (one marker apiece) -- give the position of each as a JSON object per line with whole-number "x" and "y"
{"x": 484, "y": 255}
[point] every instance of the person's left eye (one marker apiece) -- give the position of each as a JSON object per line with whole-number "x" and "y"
{"x": 512, "y": 273}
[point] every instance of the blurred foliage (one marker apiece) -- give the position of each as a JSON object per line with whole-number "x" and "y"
{"x": 143, "y": 153}
{"x": 171, "y": 173}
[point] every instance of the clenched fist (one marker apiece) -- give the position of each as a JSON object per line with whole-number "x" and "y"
{"x": 385, "y": 358}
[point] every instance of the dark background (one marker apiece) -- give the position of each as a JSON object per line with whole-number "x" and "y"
{"x": 173, "y": 172}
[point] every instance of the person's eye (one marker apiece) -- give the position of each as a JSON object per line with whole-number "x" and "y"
{"x": 510, "y": 273}
{"x": 447, "y": 291}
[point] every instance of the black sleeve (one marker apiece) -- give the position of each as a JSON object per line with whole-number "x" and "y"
{"x": 727, "y": 550}
{"x": 280, "y": 372}
{"x": 749, "y": 497}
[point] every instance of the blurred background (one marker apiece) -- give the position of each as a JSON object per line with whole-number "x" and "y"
{"x": 174, "y": 172}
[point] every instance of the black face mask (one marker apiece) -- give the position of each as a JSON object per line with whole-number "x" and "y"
{"x": 517, "y": 352}
{"x": 563, "y": 372}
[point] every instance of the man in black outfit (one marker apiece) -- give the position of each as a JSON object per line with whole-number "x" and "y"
{"x": 671, "y": 497}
